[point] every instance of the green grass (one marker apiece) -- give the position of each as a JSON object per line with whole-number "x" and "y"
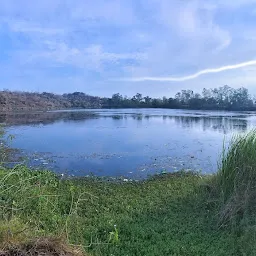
{"x": 236, "y": 180}
{"x": 171, "y": 214}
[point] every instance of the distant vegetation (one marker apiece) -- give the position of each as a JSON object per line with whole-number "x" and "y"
{"x": 222, "y": 98}
{"x": 24, "y": 101}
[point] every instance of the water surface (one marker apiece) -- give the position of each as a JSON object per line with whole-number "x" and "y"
{"x": 131, "y": 143}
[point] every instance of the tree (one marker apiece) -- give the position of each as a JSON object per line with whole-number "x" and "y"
{"x": 147, "y": 100}
{"x": 137, "y": 98}
{"x": 117, "y": 99}
{"x": 241, "y": 99}
{"x": 207, "y": 93}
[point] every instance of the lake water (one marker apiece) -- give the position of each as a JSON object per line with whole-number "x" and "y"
{"x": 132, "y": 143}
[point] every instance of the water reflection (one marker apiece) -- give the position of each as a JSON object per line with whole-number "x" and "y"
{"x": 131, "y": 143}
{"x": 223, "y": 125}
{"x": 44, "y": 117}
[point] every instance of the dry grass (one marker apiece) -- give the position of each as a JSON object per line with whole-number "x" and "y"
{"x": 41, "y": 247}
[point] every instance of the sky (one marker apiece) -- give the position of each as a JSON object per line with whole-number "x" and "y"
{"x": 101, "y": 47}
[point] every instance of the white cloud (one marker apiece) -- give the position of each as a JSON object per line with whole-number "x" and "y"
{"x": 93, "y": 57}
{"x": 196, "y": 23}
{"x": 193, "y": 76}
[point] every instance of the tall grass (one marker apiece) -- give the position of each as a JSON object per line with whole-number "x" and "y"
{"x": 27, "y": 204}
{"x": 37, "y": 204}
{"x": 237, "y": 177}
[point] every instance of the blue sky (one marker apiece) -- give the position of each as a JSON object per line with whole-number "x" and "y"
{"x": 105, "y": 46}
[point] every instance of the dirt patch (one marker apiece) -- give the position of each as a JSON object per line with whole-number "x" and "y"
{"x": 41, "y": 247}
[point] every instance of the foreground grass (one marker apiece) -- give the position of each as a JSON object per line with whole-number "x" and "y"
{"x": 237, "y": 179}
{"x": 173, "y": 214}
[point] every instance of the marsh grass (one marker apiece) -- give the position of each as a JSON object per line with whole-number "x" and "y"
{"x": 236, "y": 179}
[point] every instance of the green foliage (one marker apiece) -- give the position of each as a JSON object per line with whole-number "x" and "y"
{"x": 26, "y": 101}
{"x": 232, "y": 191}
{"x": 166, "y": 215}
{"x": 237, "y": 178}
{"x": 113, "y": 236}
{"x": 225, "y": 98}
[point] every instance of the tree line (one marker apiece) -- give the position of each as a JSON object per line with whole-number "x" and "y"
{"x": 26, "y": 101}
{"x": 222, "y": 98}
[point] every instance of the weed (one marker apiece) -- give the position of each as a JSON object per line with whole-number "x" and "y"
{"x": 113, "y": 236}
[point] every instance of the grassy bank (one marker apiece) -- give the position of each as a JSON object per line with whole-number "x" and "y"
{"x": 168, "y": 215}
{"x": 171, "y": 214}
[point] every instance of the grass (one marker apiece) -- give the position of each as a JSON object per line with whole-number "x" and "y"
{"x": 171, "y": 214}
{"x": 236, "y": 179}
{"x": 41, "y": 246}
{"x": 166, "y": 215}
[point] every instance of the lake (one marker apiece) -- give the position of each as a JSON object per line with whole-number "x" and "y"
{"x": 129, "y": 143}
